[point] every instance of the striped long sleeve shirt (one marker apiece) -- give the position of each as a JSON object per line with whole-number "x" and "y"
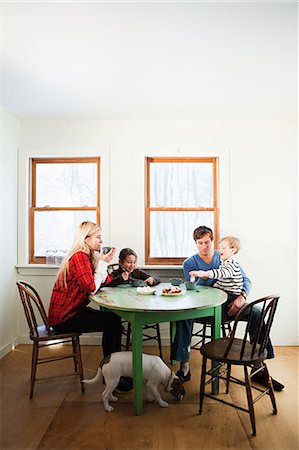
{"x": 229, "y": 277}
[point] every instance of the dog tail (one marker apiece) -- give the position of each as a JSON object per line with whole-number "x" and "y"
{"x": 98, "y": 377}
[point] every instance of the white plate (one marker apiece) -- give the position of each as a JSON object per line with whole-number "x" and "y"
{"x": 171, "y": 294}
{"x": 145, "y": 290}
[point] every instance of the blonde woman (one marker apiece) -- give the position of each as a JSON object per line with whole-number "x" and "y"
{"x": 82, "y": 273}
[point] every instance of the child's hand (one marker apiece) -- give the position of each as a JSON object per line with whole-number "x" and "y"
{"x": 202, "y": 274}
{"x": 198, "y": 274}
{"x": 194, "y": 274}
{"x": 149, "y": 280}
{"x": 125, "y": 276}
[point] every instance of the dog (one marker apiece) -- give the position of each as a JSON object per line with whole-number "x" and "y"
{"x": 155, "y": 372}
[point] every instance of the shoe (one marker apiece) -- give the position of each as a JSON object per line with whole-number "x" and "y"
{"x": 260, "y": 378}
{"x": 125, "y": 384}
{"x": 183, "y": 377}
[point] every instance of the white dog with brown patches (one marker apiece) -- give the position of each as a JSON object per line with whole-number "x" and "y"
{"x": 154, "y": 372}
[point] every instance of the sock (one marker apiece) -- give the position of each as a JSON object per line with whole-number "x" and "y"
{"x": 185, "y": 367}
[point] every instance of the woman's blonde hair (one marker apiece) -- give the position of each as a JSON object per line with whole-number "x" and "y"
{"x": 85, "y": 230}
{"x": 233, "y": 242}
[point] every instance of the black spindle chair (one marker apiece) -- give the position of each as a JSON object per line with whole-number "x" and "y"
{"x": 247, "y": 351}
{"x": 43, "y": 335}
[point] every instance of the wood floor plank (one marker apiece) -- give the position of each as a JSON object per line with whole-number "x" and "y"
{"x": 61, "y": 417}
{"x": 176, "y": 428}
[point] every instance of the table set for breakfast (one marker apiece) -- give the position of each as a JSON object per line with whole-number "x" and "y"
{"x": 163, "y": 303}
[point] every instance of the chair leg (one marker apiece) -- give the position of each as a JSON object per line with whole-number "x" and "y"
{"x": 74, "y": 352}
{"x": 33, "y": 366}
{"x": 228, "y": 373}
{"x": 128, "y": 336}
{"x": 204, "y": 332}
{"x": 202, "y": 383}
{"x": 249, "y": 400}
{"x": 271, "y": 392}
{"x": 159, "y": 340}
{"x": 78, "y": 358}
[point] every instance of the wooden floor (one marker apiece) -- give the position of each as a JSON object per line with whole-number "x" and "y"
{"x": 60, "y": 417}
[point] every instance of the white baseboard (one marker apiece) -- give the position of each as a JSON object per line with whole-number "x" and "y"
{"x": 9, "y": 347}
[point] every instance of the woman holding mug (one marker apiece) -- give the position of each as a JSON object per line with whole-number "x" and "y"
{"x": 82, "y": 272}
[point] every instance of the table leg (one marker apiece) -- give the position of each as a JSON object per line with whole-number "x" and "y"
{"x": 172, "y": 329}
{"x": 216, "y": 335}
{"x": 137, "y": 363}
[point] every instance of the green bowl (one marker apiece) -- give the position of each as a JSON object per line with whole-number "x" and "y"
{"x": 190, "y": 286}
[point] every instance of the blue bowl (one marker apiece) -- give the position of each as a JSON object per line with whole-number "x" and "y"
{"x": 175, "y": 281}
{"x": 190, "y": 286}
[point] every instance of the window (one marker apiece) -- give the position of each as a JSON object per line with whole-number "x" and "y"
{"x": 64, "y": 192}
{"x": 181, "y": 194}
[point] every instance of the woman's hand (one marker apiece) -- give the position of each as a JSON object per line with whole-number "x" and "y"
{"x": 108, "y": 257}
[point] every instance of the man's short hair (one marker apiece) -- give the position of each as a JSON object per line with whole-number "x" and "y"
{"x": 199, "y": 232}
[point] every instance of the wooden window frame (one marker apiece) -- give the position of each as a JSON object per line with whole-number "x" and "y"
{"x": 33, "y": 163}
{"x": 215, "y": 208}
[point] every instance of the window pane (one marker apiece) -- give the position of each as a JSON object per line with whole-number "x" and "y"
{"x": 181, "y": 184}
{"x": 172, "y": 232}
{"x": 55, "y": 230}
{"x": 66, "y": 184}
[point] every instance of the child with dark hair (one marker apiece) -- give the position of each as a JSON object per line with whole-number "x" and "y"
{"x": 127, "y": 271}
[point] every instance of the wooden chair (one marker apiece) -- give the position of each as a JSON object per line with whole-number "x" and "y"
{"x": 41, "y": 334}
{"x": 146, "y": 336}
{"x": 205, "y": 331}
{"x": 244, "y": 352}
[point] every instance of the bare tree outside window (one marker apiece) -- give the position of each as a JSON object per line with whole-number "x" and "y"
{"x": 181, "y": 194}
{"x": 65, "y": 192}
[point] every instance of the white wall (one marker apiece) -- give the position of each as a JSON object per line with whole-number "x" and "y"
{"x": 258, "y": 188}
{"x": 9, "y": 303}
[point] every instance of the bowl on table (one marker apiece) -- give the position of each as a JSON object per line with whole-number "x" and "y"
{"x": 175, "y": 281}
{"x": 190, "y": 286}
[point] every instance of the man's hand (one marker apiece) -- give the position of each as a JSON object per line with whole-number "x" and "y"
{"x": 236, "y": 305}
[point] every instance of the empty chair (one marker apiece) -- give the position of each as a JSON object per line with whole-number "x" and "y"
{"x": 41, "y": 333}
{"x": 247, "y": 352}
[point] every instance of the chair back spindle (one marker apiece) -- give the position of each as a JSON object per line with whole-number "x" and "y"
{"x": 43, "y": 335}
{"x": 258, "y": 341}
{"x": 31, "y": 302}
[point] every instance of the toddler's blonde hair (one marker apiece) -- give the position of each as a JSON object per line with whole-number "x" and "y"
{"x": 233, "y": 242}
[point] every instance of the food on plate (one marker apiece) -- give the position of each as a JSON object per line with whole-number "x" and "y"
{"x": 172, "y": 290}
{"x": 145, "y": 290}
